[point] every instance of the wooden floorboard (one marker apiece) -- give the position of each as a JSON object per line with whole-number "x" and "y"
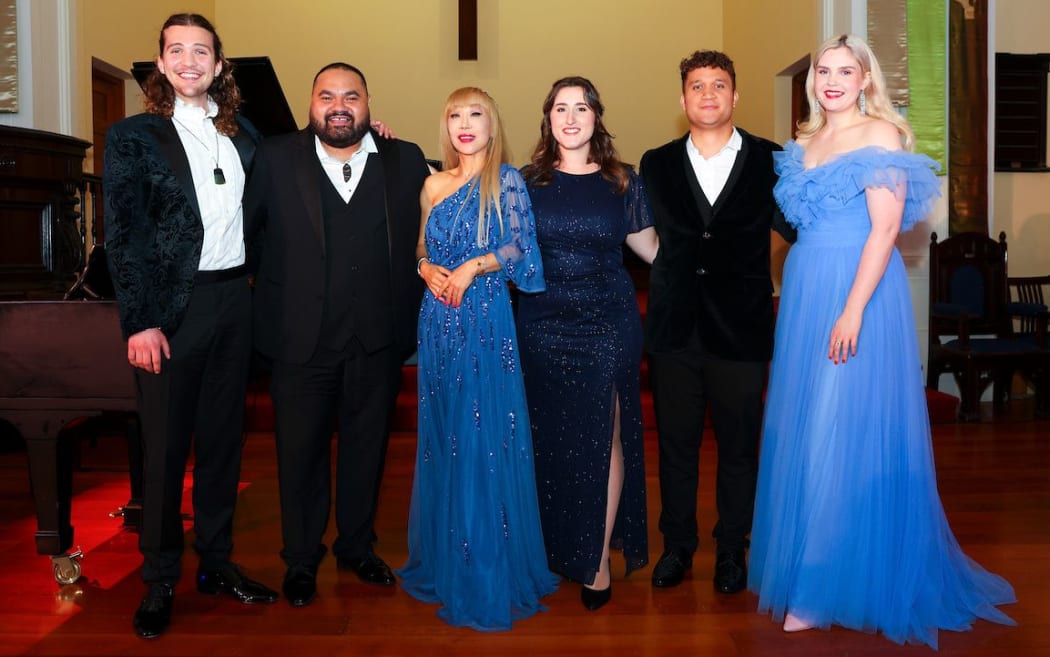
{"x": 994, "y": 479}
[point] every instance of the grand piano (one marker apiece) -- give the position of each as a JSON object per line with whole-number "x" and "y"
{"x": 62, "y": 360}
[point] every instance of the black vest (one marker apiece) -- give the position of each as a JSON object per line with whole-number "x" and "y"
{"x": 357, "y": 255}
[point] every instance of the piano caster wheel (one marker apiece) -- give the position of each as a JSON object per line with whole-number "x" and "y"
{"x": 66, "y": 568}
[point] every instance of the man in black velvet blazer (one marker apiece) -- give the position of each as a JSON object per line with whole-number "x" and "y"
{"x": 709, "y": 326}
{"x": 174, "y": 181}
{"x": 335, "y": 208}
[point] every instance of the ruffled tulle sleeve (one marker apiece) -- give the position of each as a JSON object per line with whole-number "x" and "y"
{"x": 909, "y": 174}
{"x": 803, "y": 194}
{"x": 518, "y": 253}
{"x": 797, "y": 199}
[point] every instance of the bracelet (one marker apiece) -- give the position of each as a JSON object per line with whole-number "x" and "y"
{"x": 419, "y": 265}
{"x": 481, "y": 266}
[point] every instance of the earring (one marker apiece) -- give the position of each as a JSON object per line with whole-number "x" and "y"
{"x": 862, "y": 101}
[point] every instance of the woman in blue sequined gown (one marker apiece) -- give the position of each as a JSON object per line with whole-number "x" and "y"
{"x": 581, "y": 343}
{"x": 474, "y": 537}
{"x": 849, "y": 529}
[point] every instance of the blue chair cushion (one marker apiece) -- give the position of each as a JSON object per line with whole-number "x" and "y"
{"x": 995, "y": 345}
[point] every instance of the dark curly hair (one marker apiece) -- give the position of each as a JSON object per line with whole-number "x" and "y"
{"x": 545, "y": 156}
{"x": 160, "y": 96}
{"x": 707, "y": 59}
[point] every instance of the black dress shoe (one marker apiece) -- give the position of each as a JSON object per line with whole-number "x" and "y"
{"x": 229, "y": 579}
{"x": 154, "y": 613}
{"x": 730, "y": 571}
{"x": 670, "y": 569}
{"x": 300, "y": 586}
{"x": 369, "y": 568}
{"x": 595, "y": 599}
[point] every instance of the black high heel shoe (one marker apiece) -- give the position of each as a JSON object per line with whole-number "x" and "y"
{"x": 594, "y": 599}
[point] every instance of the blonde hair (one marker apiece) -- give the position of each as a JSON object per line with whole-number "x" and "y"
{"x": 497, "y": 153}
{"x": 876, "y": 100}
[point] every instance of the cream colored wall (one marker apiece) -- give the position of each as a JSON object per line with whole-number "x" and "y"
{"x": 764, "y": 38}
{"x": 121, "y": 32}
{"x": 1021, "y": 204}
{"x": 524, "y": 46}
{"x": 1022, "y": 210}
{"x": 408, "y": 51}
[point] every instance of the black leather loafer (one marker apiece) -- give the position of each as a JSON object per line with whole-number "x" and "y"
{"x": 154, "y": 613}
{"x": 300, "y": 587}
{"x": 229, "y": 580}
{"x": 670, "y": 569}
{"x": 370, "y": 568}
{"x": 730, "y": 571}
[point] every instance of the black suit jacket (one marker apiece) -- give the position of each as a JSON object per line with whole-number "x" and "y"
{"x": 287, "y": 243}
{"x": 154, "y": 232}
{"x": 712, "y": 270}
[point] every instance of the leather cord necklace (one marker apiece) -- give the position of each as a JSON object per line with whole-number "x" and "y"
{"x": 220, "y": 178}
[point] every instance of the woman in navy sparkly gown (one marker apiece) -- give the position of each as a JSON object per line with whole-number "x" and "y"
{"x": 581, "y": 343}
{"x": 474, "y": 537}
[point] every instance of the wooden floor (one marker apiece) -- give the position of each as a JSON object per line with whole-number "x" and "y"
{"x": 994, "y": 480}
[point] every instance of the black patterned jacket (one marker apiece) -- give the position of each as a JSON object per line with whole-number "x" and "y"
{"x": 154, "y": 232}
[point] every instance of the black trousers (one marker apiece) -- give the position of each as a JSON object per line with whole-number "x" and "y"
{"x": 197, "y": 400}
{"x": 685, "y": 383}
{"x": 355, "y": 392}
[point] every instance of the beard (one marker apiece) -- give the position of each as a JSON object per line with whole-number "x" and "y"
{"x": 340, "y": 136}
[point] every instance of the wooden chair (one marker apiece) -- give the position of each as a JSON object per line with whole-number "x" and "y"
{"x": 1028, "y": 297}
{"x": 972, "y": 335}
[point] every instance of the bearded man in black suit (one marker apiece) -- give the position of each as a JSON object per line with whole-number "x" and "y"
{"x": 335, "y": 215}
{"x": 174, "y": 181}
{"x": 709, "y": 329}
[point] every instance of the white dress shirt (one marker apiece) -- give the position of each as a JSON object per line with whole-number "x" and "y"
{"x": 713, "y": 172}
{"x": 334, "y": 167}
{"x": 220, "y": 205}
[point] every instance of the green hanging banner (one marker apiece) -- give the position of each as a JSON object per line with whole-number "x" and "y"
{"x": 927, "y": 61}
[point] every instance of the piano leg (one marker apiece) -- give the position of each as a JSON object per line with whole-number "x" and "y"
{"x": 50, "y": 453}
{"x": 132, "y": 511}
{"x": 51, "y": 477}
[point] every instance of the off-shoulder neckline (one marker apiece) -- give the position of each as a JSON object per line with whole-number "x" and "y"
{"x": 798, "y": 151}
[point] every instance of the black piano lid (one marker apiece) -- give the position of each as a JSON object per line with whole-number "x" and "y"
{"x": 262, "y": 99}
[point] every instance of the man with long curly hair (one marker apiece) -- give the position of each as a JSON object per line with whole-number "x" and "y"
{"x": 174, "y": 180}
